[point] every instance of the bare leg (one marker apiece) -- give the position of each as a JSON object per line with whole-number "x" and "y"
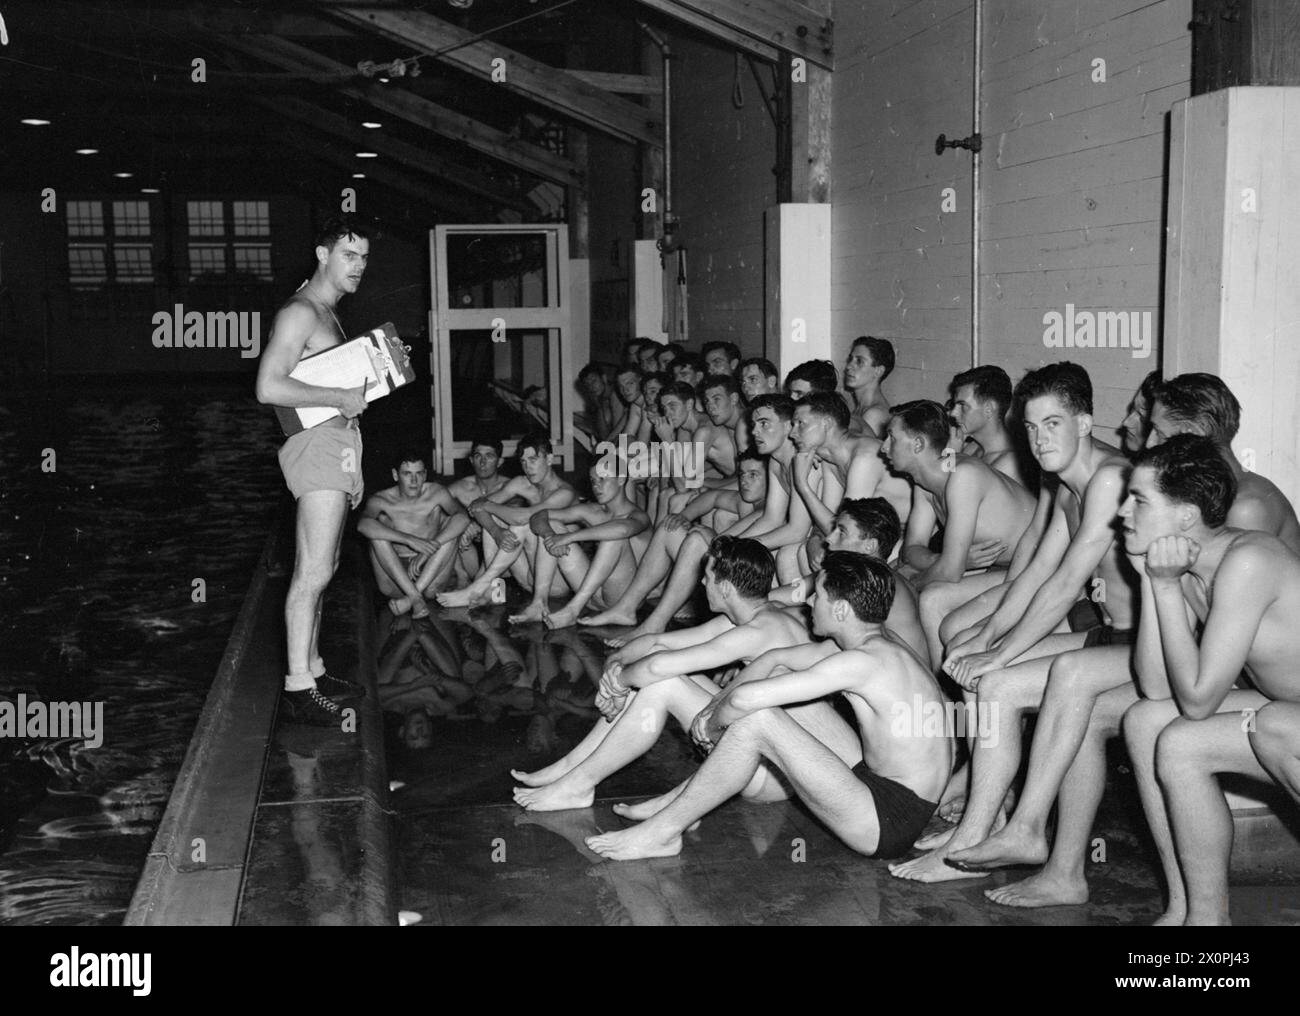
{"x": 685, "y": 577}
{"x": 1003, "y": 696}
{"x": 549, "y": 774}
{"x": 655, "y": 565}
{"x": 819, "y": 776}
{"x": 634, "y": 733}
{"x": 500, "y": 560}
{"x": 1074, "y": 682}
{"x": 1189, "y": 754}
{"x": 1062, "y": 881}
{"x": 611, "y": 556}
{"x": 939, "y": 599}
{"x": 318, "y": 529}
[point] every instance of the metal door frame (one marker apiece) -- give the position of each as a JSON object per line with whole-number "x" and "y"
{"x": 554, "y": 319}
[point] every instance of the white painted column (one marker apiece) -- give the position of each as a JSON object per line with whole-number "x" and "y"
{"x": 797, "y": 315}
{"x": 1232, "y": 273}
{"x": 646, "y": 291}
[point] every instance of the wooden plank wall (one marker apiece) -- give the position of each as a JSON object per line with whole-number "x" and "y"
{"x": 1073, "y": 179}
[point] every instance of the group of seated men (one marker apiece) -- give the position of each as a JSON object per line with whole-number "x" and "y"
{"x": 948, "y": 573}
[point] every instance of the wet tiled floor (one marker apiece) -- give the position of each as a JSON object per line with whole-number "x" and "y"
{"x": 519, "y": 697}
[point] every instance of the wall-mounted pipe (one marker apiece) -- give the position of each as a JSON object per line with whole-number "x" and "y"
{"x": 664, "y": 49}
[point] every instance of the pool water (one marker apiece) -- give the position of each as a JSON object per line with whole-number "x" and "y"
{"x": 113, "y": 502}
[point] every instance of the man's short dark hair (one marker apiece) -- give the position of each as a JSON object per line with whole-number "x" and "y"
{"x": 1204, "y": 401}
{"x": 762, "y": 363}
{"x": 691, "y": 360}
{"x": 724, "y": 381}
{"x": 828, "y": 405}
{"x": 1189, "y": 469}
{"x": 746, "y": 564}
{"x": 485, "y": 441}
{"x": 538, "y": 440}
{"x": 865, "y": 583}
{"x": 928, "y": 419}
{"x": 662, "y": 376}
{"x": 881, "y": 352}
{"x": 782, "y": 405}
{"x": 339, "y": 227}
{"x": 988, "y": 384}
{"x": 876, "y": 520}
{"x": 730, "y": 348}
{"x": 1068, "y": 382}
{"x": 681, "y": 389}
{"x": 595, "y": 368}
{"x": 751, "y": 454}
{"x": 628, "y": 368}
{"x": 1149, "y": 387}
{"x": 820, "y": 375}
{"x": 410, "y": 455}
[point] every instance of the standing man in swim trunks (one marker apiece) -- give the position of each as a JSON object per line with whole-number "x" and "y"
{"x": 321, "y": 465}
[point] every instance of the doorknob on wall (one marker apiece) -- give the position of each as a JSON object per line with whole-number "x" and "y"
{"x": 973, "y": 143}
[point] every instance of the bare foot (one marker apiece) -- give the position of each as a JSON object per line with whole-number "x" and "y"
{"x": 565, "y": 618}
{"x": 648, "y": 808}
{"x": 541, "y": 777}
{"x": 1012, "y": 845}
{"x": 935, "y": 839}
{"x": 632, "y": 844}
{"x": 931, "y": 867}
{"x": 647, "y": 627}
{"x": 533, "y": 612}
{"x": 462, "y": 597}
{"x": 558, "y": 796}
{"x": 1044, "y": 889}
{"x": 953, "y": 809}
{"x": 610, "y": 617}
{"x": 419, "y": 610}
{"x": 399, "y": 605}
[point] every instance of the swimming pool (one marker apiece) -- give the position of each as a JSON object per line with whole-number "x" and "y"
{"x": 130, "y": 522}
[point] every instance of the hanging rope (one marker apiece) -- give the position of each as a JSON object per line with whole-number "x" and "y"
{"x": 737, "y": 95}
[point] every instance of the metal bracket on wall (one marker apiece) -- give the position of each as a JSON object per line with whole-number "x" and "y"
{"x": 973, "y": 143}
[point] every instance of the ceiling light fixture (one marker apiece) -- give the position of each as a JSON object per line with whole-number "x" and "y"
{"x": 32, "y": 122}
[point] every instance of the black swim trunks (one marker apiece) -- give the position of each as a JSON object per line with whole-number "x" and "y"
{"x": 1109, "y": 635}
{"x": 901, "y": 813}
{"x": 1083, "y": 616}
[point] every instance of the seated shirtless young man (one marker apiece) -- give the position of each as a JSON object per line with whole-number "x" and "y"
{"x": 1202, "y": 404}
{"x": 705, "y": 451}
{"x": 868, "y": 526}
{"x": 1195, "y": 721}
{"x": 811, "y": 376}
{"x": 414, "y": 531}
{"x": 785, "y": 525}
{"x": 665, "y": 674}
{"x": 677, "y": 550}
{"x": 974, "y": 504}
{"x": 484, "y": 479}
{"x": 758, "y": 376}
{"x": 981, "y": 398}
{"x": 1089, "y": 690}
{"x": 820, "y": 431}
{"x": 1003, "y": 660}
{"x": 612, "y": 522}
{"x": 875, "y": 787}
{"x": 869, "y": 363}
{"x": 508, "y": 542}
